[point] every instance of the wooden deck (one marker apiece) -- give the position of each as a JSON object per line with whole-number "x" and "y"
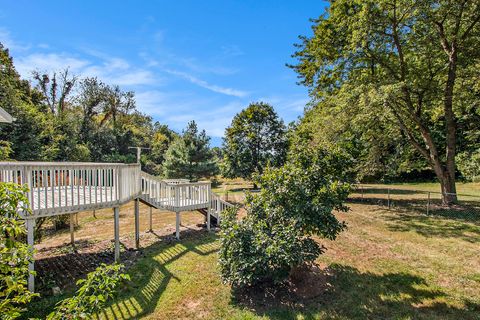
{"x": 56, "y": 188}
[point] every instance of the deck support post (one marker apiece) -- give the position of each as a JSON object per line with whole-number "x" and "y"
{"x": 137, "y": 223}
{"x": 30, "y": 224}
{"x": 116, "y": 230}
{"x": 218, "y": 207}
{"x": 72, "y": 230}
{"x": 177, "y": 225}
{"x": 209, "y": 206}
{"x": 208, "y": 218}
{"x": 150, "y": 228}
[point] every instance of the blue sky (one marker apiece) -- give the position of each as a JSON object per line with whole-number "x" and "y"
{"x": 185, "y": 60}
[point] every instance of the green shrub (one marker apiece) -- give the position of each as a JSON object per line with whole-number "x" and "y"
{"x": 95, "y": 290}
{"x": 295, "y": 202}
{"x": 15, "y": 255}
{"x": 469, "y": 165}
{"x": 5, "y": 150}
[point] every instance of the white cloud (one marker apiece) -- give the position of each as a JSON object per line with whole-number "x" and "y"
{"x": 213, "y": 119}
{"x": 112, "y": 70}
{"x": 178, "y": 108}
{"x": 151, "y": 102}
{"x": 295, "y": 103}
{"x": 197, "y": 67}
{"x": 206, "y": 85}
{"x": 48, "y": 62}
{"x": 8, "y": 42}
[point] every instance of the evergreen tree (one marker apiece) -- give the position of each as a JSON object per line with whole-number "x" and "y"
{"x": 189, "y": 156}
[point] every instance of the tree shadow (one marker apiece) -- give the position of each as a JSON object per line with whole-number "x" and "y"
{"x": 351, "y": 294}
{"x": 404, "y": 215}
{"x": 392, "y": 191}
{"x": 468, "y": 211}
{"x": 152, "y": 276}
{"x": 149, "y": 279}
{"x": 431, "y": 226}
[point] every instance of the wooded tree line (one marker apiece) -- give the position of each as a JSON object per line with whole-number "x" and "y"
{"x": 395, "y": 84}
{"x": 60, "y": 117}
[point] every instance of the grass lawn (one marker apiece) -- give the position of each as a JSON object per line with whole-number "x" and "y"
{"x": 389, "y": 264}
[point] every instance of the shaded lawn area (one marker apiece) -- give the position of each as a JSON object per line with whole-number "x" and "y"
{"x": 463, "y": 188}
{"x": 387, "y": 265}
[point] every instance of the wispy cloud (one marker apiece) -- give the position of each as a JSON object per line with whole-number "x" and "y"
{"x": 232, "y": 51}
{"x": 213, "y": 119}
{"x": 7, "y": 41}
{"x": 194, "y": 65}
{"x": 112, "y": 70}
{"x": 206, "y": 85}
{"x": 48, "y": 62}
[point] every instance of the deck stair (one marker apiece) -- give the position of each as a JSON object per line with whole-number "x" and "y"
{"x": 182, "y": 195}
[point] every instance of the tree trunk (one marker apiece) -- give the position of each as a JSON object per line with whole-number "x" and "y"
{"x": 449, "y": 194}
{"x": 447, "y": 184}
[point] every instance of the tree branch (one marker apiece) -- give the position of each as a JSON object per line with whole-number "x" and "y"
{"x": 470, "y": 27}
{"x": 409, "y": 134}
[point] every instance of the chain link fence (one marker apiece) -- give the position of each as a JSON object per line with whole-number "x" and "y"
{"x": 421, "y": 201}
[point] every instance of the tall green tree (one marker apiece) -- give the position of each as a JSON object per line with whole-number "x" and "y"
{"x": 256, "y": 137}
{"x": 189, "y": 156}
{"x": 415, "y": 60}
{"x": 28, "y": 135}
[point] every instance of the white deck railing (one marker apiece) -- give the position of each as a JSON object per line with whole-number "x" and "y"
{"x": 175, "y": 195}
{"x": 65, "y": 187}
{"x": 218, "y": 205}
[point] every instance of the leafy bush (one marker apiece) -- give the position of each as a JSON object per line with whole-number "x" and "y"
{"x": 469, "y": 165}
{"x": 5, "y": 150}
{"x": 95, "y": 290}
{"x": 15, "y": 255}
{"x": 296, "y": 202}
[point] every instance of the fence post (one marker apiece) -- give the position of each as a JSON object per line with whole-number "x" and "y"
{"x": 388, "y": 201}
{"x": 428, "y": 203}
{"x": 361, "y": 188}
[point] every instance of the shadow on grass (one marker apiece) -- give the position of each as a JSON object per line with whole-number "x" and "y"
{"x": 351, "y": 294}
{"x": 468, "y": 211}
{"x": 431, "y": 226}
{"x": 393, "y": 191}
{"x": 460, "y": 221}
{"x": 150, "y": 275}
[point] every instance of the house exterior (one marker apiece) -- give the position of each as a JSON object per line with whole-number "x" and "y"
{"x": 5, "y": 117}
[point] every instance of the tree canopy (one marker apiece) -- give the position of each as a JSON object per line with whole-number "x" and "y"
{"x": 61, "y": 117}
{"x": 256, "y": 137}
{"x": 410, "y": 68}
